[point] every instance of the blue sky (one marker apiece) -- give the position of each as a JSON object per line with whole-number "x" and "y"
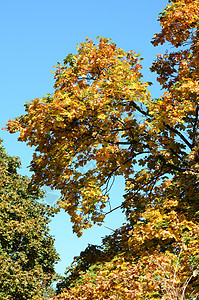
{"x": 35, "y": 35}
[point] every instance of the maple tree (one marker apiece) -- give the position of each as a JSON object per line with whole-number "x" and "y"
{"x": 101, "y": 122}
{"x": 27, "y": 253}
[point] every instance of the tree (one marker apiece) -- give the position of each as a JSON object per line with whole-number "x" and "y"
{"x": 27, "y": 253}
{"x": 101, "y": 122}
{"x": 156, "y": 277}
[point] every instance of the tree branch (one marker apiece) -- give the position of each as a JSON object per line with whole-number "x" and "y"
{"x": 179, "y": 134}
{"x": 194, "y": 126}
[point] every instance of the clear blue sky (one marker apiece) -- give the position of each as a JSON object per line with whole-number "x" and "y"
{"x": 35, "y": 35}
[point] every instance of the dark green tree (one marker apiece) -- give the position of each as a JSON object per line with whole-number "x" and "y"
{"x": 27, "y": 253}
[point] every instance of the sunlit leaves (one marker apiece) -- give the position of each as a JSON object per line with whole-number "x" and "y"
{"x": 85, "y": 122}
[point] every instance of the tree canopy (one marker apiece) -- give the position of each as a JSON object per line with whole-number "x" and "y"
{"x": 101, "y": 122}
{"x": 27, "y": 253}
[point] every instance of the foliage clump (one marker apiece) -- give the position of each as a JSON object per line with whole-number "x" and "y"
{"x": 27, "y": 253}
